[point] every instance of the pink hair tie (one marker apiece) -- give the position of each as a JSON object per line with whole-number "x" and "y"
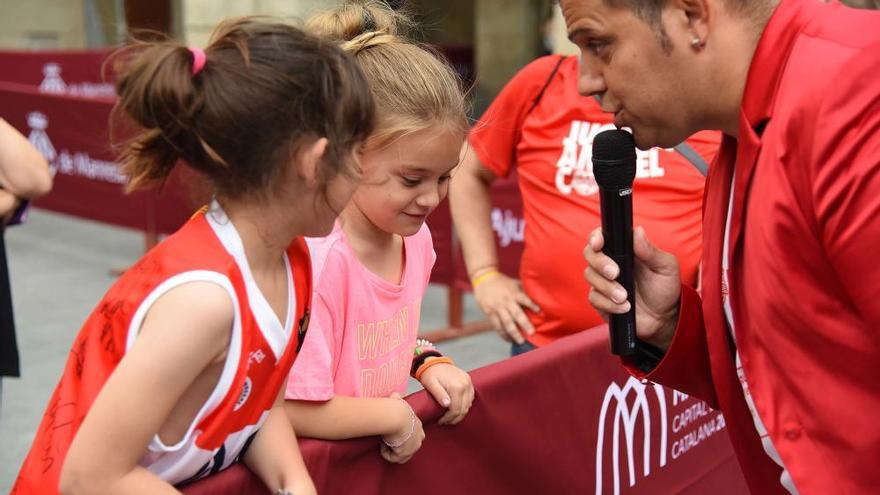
{"x": 198, "y": 59}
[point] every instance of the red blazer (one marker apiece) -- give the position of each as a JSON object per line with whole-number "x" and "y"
{"x": 804, "y": 279}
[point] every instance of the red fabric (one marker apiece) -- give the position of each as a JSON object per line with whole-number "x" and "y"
{"x": 804, "y": 231}
{"x": 550, "y": 149}
{"x": 102, "y": 342}
{"x": 534, "y": 428}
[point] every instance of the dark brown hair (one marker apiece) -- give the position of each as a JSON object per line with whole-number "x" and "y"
{"x": 265, "y": 87}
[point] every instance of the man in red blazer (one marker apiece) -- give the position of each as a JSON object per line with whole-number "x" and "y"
{"x": 785, "y": 336}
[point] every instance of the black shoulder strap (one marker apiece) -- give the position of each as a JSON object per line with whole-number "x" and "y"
{"x": 546, "y": 84}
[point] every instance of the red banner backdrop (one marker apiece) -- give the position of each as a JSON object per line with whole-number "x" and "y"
{"x": 61, "y": 100}
{"x": 73, "y": 134}
{"x": 73, "y": 73}
{"x": 564, "y": 419}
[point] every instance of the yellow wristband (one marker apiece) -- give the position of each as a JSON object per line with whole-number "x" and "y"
{"x": 483, "y": 277}
{"x": 481, "y": 270}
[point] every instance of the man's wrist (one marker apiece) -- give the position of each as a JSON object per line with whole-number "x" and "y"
{"x": 663, "y": 337}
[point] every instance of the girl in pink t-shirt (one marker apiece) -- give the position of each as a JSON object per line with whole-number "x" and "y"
{"x": 371, "y": 272}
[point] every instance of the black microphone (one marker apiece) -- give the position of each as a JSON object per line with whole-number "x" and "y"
{"x": 614, "y": 166}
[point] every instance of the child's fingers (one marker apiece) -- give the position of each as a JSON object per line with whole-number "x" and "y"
{"x": 392, "y": 456}
{"x": 450, "y": 418}
{"x": 461, "y": 402}
{"x": 438, "y": 392}
{"x": 386, "y": 452}
{"x": 467, "y": 402}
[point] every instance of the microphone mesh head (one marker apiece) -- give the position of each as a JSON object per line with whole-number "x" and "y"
{"x": 614, "y": 158}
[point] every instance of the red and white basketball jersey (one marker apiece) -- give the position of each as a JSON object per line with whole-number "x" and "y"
{"x": 261, "y": 351}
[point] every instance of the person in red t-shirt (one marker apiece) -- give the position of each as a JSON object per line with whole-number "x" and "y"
{"x": 541, "y": 126}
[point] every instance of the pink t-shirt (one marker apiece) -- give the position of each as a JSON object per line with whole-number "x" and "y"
{"x": 363, "y": 329}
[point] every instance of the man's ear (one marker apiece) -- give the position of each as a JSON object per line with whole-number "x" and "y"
{"x": 697, "y": 17}
{"x": 311, "y": 156}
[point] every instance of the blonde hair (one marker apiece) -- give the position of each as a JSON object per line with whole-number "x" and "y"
{"x": 412, "y": 85}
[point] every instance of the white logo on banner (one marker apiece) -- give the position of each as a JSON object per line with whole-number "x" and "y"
{"x": 68, "y": 163}
{"x": 52, "y": 82}
{"x": 508, "y": 227}
{"x": 40, "y": 139}
{"x": 629, "y": 417}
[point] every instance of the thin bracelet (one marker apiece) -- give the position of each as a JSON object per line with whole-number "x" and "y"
{"x": 482, "y": 278}
{"x": 432, "y": 362}
{"x": 412, "y": 429}
{"x": 283, "y": 491}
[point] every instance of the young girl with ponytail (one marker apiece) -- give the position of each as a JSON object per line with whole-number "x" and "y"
{"x": 178, "y": 371}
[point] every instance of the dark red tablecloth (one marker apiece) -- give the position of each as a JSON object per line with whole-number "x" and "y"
{"x": 539, "y": 424}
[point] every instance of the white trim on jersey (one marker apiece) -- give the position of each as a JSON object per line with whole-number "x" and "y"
{"x": 275, "y": 333}
{"x": 230, "y": 366}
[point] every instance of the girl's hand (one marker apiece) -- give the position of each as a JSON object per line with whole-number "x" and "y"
{"x": 400, "y": 446}
{"x": 452, "y": 388}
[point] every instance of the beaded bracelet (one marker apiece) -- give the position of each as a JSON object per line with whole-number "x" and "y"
{"x": 423, "y": 345}
{"x": 428, "y": 364}
{"x": 412, "y": 429}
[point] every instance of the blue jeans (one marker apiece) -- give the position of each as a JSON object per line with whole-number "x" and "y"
{"x": 517, "y": 349}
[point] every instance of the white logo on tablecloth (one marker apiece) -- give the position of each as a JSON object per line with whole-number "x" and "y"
{"x": 52, "y": 82}
{"x": 629, "y": 417}
{"x": 691, "y": 422}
